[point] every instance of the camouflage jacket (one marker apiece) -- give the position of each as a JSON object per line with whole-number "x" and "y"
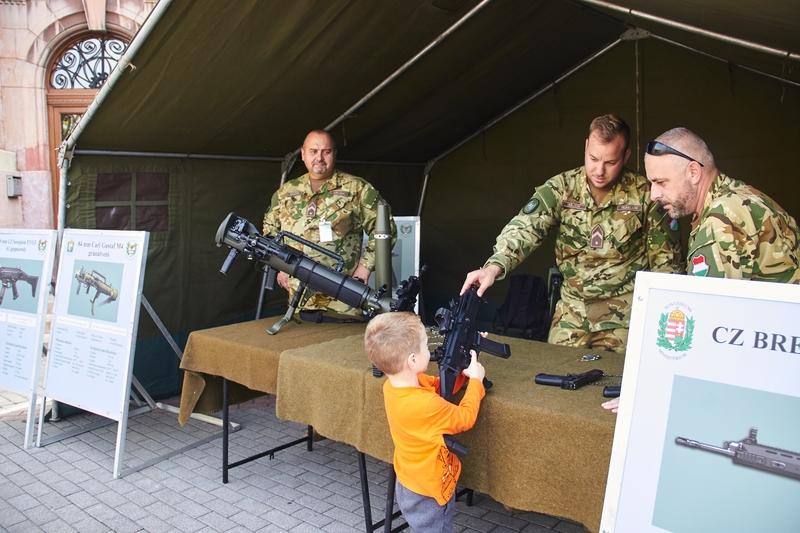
{"x": 743, "y": 234}
{"x": 599, "y": 248}
{"x": 348, "y": 203}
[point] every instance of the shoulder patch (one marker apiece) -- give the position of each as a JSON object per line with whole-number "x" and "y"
{"x": 531, "y": 206}
{"x": 699, "y": 265}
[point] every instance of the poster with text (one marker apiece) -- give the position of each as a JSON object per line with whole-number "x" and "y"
{"x": 98, "y": 293}
{"x": 26, "y": 268}
{"x": 708, "y": 430}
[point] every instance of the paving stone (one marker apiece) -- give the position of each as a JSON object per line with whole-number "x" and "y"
{"x": 67, "y": 486}
{"x": 569, "y": 527}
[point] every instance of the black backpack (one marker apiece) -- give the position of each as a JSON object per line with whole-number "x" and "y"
{"x": 525, "y": 310}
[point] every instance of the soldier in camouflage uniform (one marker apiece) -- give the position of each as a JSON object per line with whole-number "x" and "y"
{"x": 607, "y": 230}
{"x": 328, "y": 207}
{"x": 737, "y": 231}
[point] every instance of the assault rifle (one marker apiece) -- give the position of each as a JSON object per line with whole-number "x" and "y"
{"x": 241, "y": 236}
{"x": 748, "y": 452}
{"x": 570, "y": 381}
{"x": 458, "y": 324}
{"x": 9, "y": 276}
{"x": 96, "y": 280}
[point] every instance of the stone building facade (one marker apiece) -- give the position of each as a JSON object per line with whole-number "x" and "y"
{"x": 54, "y": 56}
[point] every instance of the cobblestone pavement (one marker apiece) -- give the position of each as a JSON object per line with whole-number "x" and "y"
{"x": 68, "y": 486}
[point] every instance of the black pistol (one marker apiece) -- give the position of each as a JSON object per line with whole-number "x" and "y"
{"x": 570, "y": 381}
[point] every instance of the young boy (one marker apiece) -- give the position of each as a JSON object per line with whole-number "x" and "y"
{"x": 427, "y": 472}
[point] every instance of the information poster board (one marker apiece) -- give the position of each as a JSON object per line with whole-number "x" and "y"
{"x": 90, "y": 359}
{"x": 26, "y": 268}
{"x": 708, "y": 430}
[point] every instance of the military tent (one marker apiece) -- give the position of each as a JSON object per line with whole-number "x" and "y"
{"x": 454, "y": 109}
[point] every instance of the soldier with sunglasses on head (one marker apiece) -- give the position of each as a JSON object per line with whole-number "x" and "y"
{"x": 737, "y": 231}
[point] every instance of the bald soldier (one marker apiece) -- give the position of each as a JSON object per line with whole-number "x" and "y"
{"x": 607, "y": 230}
{"x": 737, "y": 231}
{"x": 328, "y": 207}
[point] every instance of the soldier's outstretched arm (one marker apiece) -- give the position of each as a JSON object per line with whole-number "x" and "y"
{"x": 483, "y": 277}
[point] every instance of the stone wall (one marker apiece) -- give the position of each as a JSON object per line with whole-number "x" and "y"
{"x": 31, "y": 32}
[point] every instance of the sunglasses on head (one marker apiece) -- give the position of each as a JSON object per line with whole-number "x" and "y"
{"x": 659, "y": 148}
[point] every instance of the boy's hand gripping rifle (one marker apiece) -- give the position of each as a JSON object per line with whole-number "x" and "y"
{"x": 96, "y": 280}
{"x": 9, "y": 276}
{"x": 241, "y": 236}
{"x": 458, "y": 324}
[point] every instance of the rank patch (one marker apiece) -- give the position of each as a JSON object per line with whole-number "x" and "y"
{"x": 598, "y": 237}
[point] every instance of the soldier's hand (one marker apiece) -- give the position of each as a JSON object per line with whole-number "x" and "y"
{"x": 361, "y": 273}
{"x": 612, "y": 405}
{"x": 483, "y": 277}
{"x": 283, "y": 280}
{"x": 475, "y": 370}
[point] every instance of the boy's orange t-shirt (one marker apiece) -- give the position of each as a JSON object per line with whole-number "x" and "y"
{"x": 418, "y": 420}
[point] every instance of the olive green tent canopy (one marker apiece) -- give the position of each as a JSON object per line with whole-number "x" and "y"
{"x": 454, "y": 109}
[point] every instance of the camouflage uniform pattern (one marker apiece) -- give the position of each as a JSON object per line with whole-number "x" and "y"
{"x": 743, "y": 234}
{"x": 350, "y": 204}
{"x": 630, "y": 233}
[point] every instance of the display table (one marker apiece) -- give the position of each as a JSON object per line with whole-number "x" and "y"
{"x": 534, "y": 447}
{"x": 245, "y": 354}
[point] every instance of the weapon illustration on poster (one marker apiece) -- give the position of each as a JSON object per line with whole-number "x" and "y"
{"x": 748, "y": 452}
{"x": 9, "y": 276}
{"x": 97, "y": 281}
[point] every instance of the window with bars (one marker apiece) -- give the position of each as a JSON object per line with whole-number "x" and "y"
{"x": 132, "y": 201}
{"x": 87, "y": 63}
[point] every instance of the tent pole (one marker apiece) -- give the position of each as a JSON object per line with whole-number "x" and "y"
{"x": 428, "y": 168}
{"x": 407, "y": 64}
{"x": 723, "y": 60}
{"x": 638, "y": 96}
{"x": 223, "y": 157}
{"x": 65, "y": 152}
{"x": 177, "y": 155}
{"x": 694, "y": 29}
{"x": 286, "y": 167}
{"x": 508, "y": 112}
{"x": 525, "y": 102}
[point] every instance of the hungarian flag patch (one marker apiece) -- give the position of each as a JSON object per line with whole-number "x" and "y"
{"x": 699, "y": 265}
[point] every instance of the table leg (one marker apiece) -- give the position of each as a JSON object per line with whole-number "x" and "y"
{"x": 225, "y": 430}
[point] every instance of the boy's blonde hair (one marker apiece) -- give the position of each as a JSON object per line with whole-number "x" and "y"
{"x": 390, "y": 338}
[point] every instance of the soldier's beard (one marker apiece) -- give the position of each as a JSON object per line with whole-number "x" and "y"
{"x": 682, "y": 204}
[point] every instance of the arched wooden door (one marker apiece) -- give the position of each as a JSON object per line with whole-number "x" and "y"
{"x": 76, "y": 73}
